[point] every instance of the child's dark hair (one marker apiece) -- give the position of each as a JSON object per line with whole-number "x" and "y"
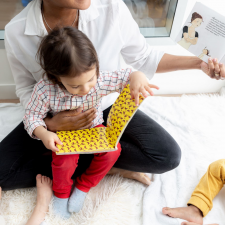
{"x": 66, "y": 52}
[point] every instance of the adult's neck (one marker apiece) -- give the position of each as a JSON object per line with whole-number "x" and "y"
{"x": 58, "y": 16}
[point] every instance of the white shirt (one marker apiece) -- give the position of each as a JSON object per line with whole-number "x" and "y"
{"x": 107, "y": 23}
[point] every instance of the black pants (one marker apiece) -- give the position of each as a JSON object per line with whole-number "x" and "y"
{"x": 146, "y": 147}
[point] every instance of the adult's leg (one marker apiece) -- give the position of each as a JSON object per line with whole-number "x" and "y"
{"x": 22, "y": 158}
{"x": 146, "y": 146}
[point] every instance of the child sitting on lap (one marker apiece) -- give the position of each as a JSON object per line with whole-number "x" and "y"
{"x": 201, "y": 199}
{"x": 71, "y": 80}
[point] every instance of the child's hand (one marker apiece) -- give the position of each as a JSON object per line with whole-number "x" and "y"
{"x": 139, "y": 84}
{"x": 50, "y": 140}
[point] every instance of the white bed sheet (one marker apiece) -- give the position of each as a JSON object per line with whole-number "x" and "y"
{"x": 198, "y": 125}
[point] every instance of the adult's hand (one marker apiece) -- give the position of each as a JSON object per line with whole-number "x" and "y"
{"x": 214, "y": 69}
{"x": 71, "y": 120}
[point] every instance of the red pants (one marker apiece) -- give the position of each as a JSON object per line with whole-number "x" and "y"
{"x": 63, "y": 167}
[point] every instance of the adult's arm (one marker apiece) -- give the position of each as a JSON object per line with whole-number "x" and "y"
{"x": 171, "y": 63}
{"x": 137, "y": 53}
{"x": 24, "y": 80}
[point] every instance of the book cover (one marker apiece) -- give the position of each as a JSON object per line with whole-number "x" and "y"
{"x": 101, "y": 139}
{"x": 203, "y": 33}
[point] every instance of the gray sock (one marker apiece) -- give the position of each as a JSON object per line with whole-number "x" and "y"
{"x": 76, "y": 200}
{"x": 60, "y": 206}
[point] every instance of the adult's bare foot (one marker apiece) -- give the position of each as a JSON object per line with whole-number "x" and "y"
{"x": 141, "y": 177}
{"x": 44, "y": 195}
{"x": 190, "y": 213}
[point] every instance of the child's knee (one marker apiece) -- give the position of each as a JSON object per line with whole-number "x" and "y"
{"x": 65, "y": 161}
{"x": 115, "y": 154}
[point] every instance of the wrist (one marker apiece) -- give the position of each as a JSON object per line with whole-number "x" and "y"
{"x": 196, "y": 63}
{"x": 50, "y": 125}
{"x": 40, "y": 132}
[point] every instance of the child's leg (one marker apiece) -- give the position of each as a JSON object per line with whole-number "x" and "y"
{"x": 63, "y": 167}
{"x": 100, "y": 165}
{"x": 209, "y": 186}
{"x": 200, "y": 202}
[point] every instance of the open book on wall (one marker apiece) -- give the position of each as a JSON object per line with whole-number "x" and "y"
{"x": 101, "y": 139}
{"x": 203, "y": 33}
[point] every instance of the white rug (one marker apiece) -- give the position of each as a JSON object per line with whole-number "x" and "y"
{"x": 197, "y": 124}
{"x": 114, "y": 201}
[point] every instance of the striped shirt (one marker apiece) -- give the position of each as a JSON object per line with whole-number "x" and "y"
{"x": 51, "y": 98}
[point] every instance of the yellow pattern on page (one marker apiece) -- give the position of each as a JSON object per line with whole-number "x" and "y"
{"x": 101, "y": 139}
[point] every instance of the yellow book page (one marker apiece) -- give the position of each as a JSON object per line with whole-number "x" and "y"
{"x": 101, "y": 139}
{"x": 121, "y": 113}
{"x": 84, "y": 141}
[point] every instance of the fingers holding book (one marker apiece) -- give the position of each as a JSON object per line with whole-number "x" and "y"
{"x": 214, "y": 69}
{"x": 139, "y": 84}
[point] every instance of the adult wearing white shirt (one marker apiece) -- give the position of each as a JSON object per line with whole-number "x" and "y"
{"x": 146, "y": 146}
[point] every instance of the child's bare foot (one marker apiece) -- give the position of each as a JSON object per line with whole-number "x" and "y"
{"x": 141, "y": 177}
{"x": 190, "y": 213}
{"x": 44, "y": 195}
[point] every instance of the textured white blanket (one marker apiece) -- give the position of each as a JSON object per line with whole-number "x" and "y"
{"x": 198, "y": 125}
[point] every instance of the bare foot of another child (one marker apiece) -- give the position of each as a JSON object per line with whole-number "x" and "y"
{"x": 44, "y": 195}
{"x": 190, "y": 213}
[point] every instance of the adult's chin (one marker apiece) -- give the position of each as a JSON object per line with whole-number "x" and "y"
{"x": 82, "y": 4}
{"x": 69, "y": 4}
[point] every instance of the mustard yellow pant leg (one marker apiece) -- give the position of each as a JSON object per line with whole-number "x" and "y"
{"x": 209, "y": 186}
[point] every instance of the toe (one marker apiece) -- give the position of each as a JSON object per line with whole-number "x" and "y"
{"x": 148, "y": 181}
{"x": 49, "y": 181}
{"x": 45, "y": 179}
{"x": 38, "y": 179}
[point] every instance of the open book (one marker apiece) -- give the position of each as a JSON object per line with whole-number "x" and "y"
{"x": 101, "y": 139}
{"x": 203, "y": 33}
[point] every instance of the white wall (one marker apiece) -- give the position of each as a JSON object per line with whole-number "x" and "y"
{"x": 192, "y": 81}
{"x": 7, "y": 86}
